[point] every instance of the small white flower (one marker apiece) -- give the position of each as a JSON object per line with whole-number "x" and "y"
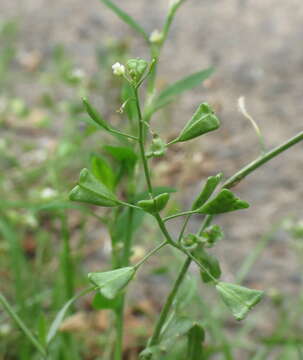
{"x": 156, "y": 36}
{"x": 48, "y": 193}
{"x": 118, "y": 69}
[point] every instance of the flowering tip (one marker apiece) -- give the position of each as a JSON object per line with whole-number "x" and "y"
{"x": 118, "y": 69}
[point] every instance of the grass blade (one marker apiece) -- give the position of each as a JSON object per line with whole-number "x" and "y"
{"x": 126, "y": 18}
{"x": 61, "y": 314}
{"x": 22, "y": 326}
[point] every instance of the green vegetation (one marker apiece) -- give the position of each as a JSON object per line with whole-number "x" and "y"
{"x": 53, "y": 291}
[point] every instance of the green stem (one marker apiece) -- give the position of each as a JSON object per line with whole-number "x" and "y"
{"x": 169, "y": 301}
{"x": 141, "y": 144}
{"x": 189, "y": 212}
{"x": 22, "y": 326}
{"x": 183, "y": 228}
{"x": 117, "y": 132}
{"x": 241, "y": 174}
{"x": 118, "y": 353}
{"x": 152, "y": 252}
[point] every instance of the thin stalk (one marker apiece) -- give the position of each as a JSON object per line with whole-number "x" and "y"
{"x": 152, "y": 252}
{"x": 183, "y": 228}
{"x": 183, "y": 213}
{"x": 118, "y": 353}
{"x": 22, "y": 326}
{"x": 241, "y": 174}
{"x": 117, "y": 132}
{"x": 119, "y": 325}
{"x": 141, "y": 144}
{"x": 169, "y": 301}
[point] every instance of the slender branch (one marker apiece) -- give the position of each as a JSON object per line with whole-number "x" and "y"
{"x": 169, "y": 301}
{"x": 141, "y": 144}
{"x": 241, "y": 174}
{"x": 148, "y": 255}
{"x": 183, "y": 228}
{"x": 189, "y": 212}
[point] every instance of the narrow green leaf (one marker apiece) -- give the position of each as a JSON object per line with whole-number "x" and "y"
{"x": 61, "y": 314}
{"x": 203, "y": 121}
{"x": 179, "y": 87}
{"x": 195, "y": 338}
{"x": 125, "y": 17}
{"x": 238, "y": 299}
{"x": 224, "y": 202}
{"x": 103, "y": 171}
{"x": 154, "y": 205}
{"x": 100, "y": 302}
{"x": 26, "y": 331}
{"x": 207, "y": 190}
{"x": 111, "y": 283}
{"x": 95, "y": 115}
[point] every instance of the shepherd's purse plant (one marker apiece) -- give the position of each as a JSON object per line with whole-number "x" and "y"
{"x": 125, "y": 185}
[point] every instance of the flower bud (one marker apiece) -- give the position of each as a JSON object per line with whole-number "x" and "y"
{"x": 118, "y": 69}
{"x": 156, "y": 37}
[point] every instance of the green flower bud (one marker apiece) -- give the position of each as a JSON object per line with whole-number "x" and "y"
{"x": 136, "y": 68}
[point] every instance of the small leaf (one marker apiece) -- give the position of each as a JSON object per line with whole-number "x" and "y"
{"x": 154, "y": 205}
{"x": 179, "y": 87}
{"x": 224, "y": 202}
{"x": 209, "y": 262}
{"x": 207, "y": 190}
{"x": 102, "y": 171}
{"x": 203, "y": 121}
{"x": 111, "y": 283}
{"x": 125, "y": 17}
{"x": 95, "y": 115}
{"x": 195, "y": 338}
{"x": 100, "y": 302}
{"x": 238, "y": 299}
{"x": 92, "y": 191}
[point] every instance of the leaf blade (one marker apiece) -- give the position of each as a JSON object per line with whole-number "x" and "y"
{"x": 179, "y": 87}
{"x": 129, "y": 20}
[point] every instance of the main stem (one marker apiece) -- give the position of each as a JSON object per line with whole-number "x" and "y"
{"x": 169, "y": 301}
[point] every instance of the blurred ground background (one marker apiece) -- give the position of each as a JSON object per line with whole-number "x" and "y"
{"x": 256, "y": 49}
